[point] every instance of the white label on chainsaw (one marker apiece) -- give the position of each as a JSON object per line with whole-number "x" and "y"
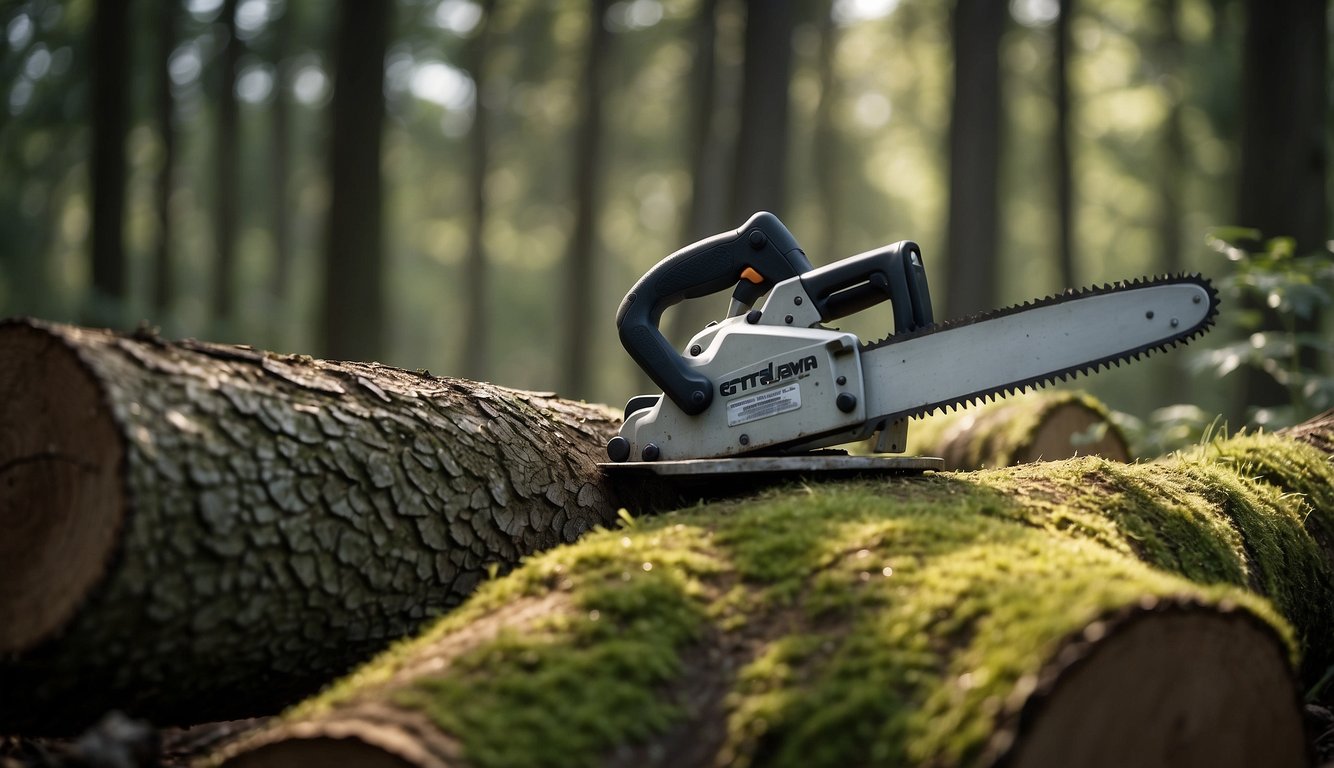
{"x": 764, "y": 405}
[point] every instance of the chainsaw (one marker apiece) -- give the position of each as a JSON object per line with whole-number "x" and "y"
{"x": 772, "y": 388}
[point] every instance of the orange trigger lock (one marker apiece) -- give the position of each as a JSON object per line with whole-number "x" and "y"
{"x": 750, "y": 274}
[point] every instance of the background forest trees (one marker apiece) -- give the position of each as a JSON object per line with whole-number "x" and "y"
{"x": 471, "y": 186}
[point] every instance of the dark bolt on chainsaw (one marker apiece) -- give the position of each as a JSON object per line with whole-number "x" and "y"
{"x": 772, "y": 388}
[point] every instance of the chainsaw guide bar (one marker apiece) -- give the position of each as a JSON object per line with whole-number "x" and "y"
{"x": 765, "y": 390}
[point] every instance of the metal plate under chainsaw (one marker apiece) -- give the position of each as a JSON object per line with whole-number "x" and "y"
{"x": 825, "y": 466}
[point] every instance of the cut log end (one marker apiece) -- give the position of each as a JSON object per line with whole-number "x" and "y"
{"x": 1037, "y": 426}
{"x": 320, "y": 751}
{"x": 1073, "y": 429}
{"x": 61, "y": 505}
{"x": 1181, "y": 687}
{"x": 369, "y": 737}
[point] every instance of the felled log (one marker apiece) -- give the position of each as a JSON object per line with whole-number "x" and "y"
{"x": 1082, "y": 612}
{"x": 193, "y": 532}
{"x": 1043, "y": 425}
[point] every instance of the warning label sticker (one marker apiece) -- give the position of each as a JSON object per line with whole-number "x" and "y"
{"x": 764, "y": 405}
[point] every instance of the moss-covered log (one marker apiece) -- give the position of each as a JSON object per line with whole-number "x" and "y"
{"x": 191, "y": 531}
{"x": 1082, "y": 612}
{"x": 1044, "y": 425}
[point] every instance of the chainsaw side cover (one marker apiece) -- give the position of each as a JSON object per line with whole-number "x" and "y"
{"x": 799, "y": 386}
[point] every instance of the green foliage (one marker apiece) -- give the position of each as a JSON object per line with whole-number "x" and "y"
{"x": 1167, "y": 429}
{"x": 1269, "y": 279}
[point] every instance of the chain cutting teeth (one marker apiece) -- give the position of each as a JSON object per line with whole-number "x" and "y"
{"x": 1014, "y": 387}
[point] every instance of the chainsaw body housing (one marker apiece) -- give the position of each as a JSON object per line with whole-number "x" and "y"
{"x": 798, "y": 387}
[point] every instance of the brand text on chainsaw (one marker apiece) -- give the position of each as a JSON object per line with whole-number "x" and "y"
{"x": 768, "y": 375}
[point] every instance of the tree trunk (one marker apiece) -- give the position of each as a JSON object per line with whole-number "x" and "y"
{"x": 830, "y": 178}
{"x": 971, "y": 254}
{"x": 352, "y": 301}
{"x": 110, "y": 53}
{"x": 197, "y": 531}
{"x": 280, "y": 122}
{"x": 1065, "y": 176}
{"x": 227, "y": 175}
{"x": 707, "y": 181}
{"x": 1281, "y": 184}
{"x": 476, "y": 300}
{"x": 165, "y": 104}
{"x": 1171, "y": 155}
{"x": 1082, "y": 612}
{"x": 1038, "y": 426}
{"x": 581, "y": 253}
{"x": 1172, "y": 377}
{"x": 760, "y": 182}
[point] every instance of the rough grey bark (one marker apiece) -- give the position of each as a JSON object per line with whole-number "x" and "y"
{"x": 252, "y": 523}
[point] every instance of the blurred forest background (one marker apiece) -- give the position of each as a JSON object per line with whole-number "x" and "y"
{"x": 470, "y": 186}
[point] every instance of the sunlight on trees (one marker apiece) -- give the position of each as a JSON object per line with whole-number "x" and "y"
{"x": 1154, "y": 110}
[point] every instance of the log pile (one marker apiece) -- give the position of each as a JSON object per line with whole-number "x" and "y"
{"x": 200, "y": 531}
{"x": 1081, "y": 612}
{"x": 184, "y": 517}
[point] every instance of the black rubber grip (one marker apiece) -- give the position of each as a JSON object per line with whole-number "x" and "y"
{"x": 894, "y": 273}
{"x": 708, "y": 266}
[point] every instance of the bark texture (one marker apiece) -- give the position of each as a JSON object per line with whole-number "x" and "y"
{"x": 197, "y": 531}
{"x": 1037, "y": 426}
{"x": 1082, "y": 612}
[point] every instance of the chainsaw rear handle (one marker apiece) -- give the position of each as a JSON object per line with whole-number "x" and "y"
{"x": 755, "y": 257}
{"x": 894, "y": 272}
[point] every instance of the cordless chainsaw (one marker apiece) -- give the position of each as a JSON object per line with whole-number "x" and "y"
{"x": 766, "y": 388}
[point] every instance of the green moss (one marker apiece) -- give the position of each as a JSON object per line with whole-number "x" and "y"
{"x": 1205, "y": 520}
{"x": 564, "y": 692}
{"x": 865, "y": 622}
{"x": 920, "y": 616}
{"x": 582, "y": 677}
{"x": 1294, "y": 467}
{"x": 1287, "y": 512}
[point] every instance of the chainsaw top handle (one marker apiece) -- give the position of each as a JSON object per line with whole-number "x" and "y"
{"x": 755, "y": 257}
{"x": 893, "y": 273}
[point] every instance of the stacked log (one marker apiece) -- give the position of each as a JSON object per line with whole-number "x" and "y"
{"x": 199, "y": 531}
